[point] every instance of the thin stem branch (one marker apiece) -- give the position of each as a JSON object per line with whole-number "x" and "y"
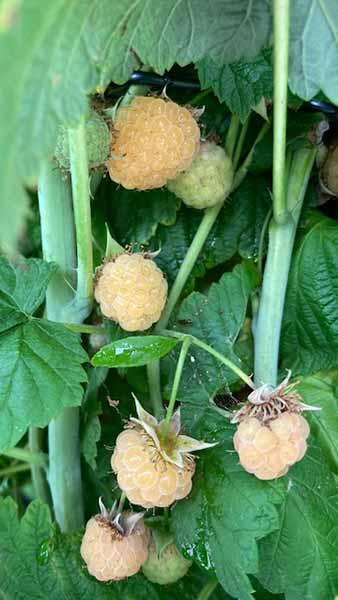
{"x": 240, "y": 143}
{"x": 154, "y": 380}
{"x": 207, "y": 590}
{"x": 223, "y": 359}
{"x": 276, "y": 272}
{"x": 187, "y": 265}
{"x": 7, "y": 471}
{"x": 281, "y": 18}
{"x": 29, "y": 456}
{"x": 38, "y": 474}
{"x": 121, "y": 502}
{"x": 243, "y": 169}
{"x": 260, "y": 255}
{"x": 232, "y": 135}
{"x": 81, "y": 205}
{"x": 178, "y": 374}
{"x": 84, "y": 328}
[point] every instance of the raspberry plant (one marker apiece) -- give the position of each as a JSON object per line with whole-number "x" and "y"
{"x": 177, "y": 366}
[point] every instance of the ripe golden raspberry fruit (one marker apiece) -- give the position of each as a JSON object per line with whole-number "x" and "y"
{"x": 207, "y": 181}
{"x": 132, "y": 291}
{"x": 165, "y": 564}
{"x": 98, "y": 140}
{"x": 115, "y": 545}
{"x": 154, "y": 468}
{"x": 154, "y": 140}
{"x": 271, "y": 435}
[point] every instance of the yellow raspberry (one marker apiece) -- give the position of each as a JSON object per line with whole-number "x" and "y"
{"x": 115, "y": 545}
{"x": 132, "y": 291}
{"x": 269, "y": 450}
{"x": 154, "y": 140}
{"x": 145, "y": 478}
{"x": 207, "y": 181}
{"x": 154, "y": 469}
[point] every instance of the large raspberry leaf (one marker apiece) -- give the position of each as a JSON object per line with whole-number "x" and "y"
{"x": 240, "y": 85}
{"x": 237, "y": 229}
{"x": 66, "y": 51}
{"x": 215, "y": 318}
{"x": 22, "y": 289}
{"x": 40, "y": 361}
{"x": 37, "y": 562}
{"x": 310, "y": 321}
{"x": 224, "y": 516}
{"x": 301, "y": 559}
{"x": 313, "y": 66}
{"x": 321, "y": 390}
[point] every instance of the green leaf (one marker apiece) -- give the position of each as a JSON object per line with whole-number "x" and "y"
{"x": 237, "y": 229}
{"x": 313, "y": 65}
{"x": 181, "y": 32}
{"x": 134, "y": 216}
{"x": 240, "y": 85}
{"x": 37, "y": 562}
{"x": 134, "y": 351}
{"x": 22, "y": 289}
{"x": 301, "y": 559}
{"x": 321, "y": 390}
{"x": 90, "y": 437}
{"x": 40, "y": 374}
{"x": 310, "y": 327}
{"x": 215, "y": 318}
{"x": 226, "y": 513}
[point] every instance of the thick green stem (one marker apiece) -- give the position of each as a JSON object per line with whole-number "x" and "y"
{"x": 223, "y": 359}
{"x": 81, "y": 206}
{"x": 281, "y": 10}
{"x": 208, "y": 589}
{"x": 58, "y": 243}
{"x": 281, "y": 241}
{"x": 39, "y": 480}
{"x": 178, "y": 374}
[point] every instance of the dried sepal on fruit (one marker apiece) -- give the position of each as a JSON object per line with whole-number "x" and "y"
{"x": 165, "y": 564}
{"x": 207, "y": 181}
{"x": 272, "y": 433}
{"x": 154, "y": 139}
{"x": 98, "y": 142}
{"x": 154, "y": 468}
{"x": 132, "y": 291}
{"x": 115, "y": 544}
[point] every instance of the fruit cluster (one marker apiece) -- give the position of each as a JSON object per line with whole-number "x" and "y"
{"x": 154, "y": 140}
{"x": 269, "y": 450}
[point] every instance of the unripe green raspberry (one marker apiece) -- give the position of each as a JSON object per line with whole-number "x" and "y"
{"x": 98, "y": 138}
{"x": 207, "y": 181}
{"x": 166, "y": 564}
